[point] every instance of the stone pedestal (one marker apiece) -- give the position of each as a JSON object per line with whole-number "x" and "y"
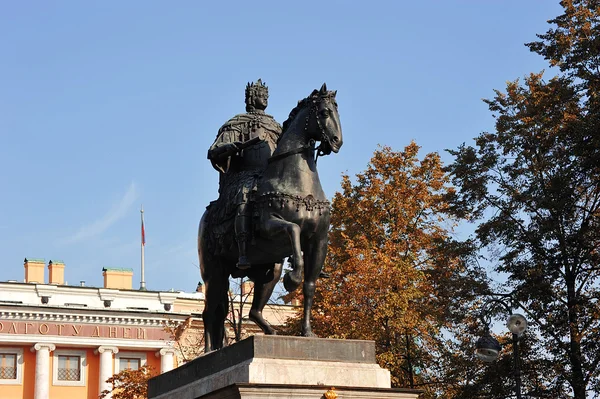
{"x": 281, "y": 367}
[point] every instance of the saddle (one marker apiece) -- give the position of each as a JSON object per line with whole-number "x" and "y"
{"x": 220, "y": 231}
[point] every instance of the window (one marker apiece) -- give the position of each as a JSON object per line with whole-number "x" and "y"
{"x": 129, "y": 360}
{"x": 68, "y": 367}
{"x": 8, "y": 366}
{"x": 129, "y": 363}
{"x": 11, "y": 360}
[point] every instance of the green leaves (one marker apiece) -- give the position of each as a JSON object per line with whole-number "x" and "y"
{"x": 535, "y": 188}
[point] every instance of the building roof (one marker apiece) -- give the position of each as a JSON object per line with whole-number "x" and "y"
{"x": 117, "y": 269}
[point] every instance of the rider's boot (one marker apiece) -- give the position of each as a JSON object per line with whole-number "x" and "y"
{"x": 242, "y": 231}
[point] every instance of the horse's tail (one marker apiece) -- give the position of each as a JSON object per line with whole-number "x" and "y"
{"x": 202, "y": 244}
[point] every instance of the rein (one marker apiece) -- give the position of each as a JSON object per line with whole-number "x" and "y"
{"x": 295, "y": 151}
{"x": 311, "y": 143}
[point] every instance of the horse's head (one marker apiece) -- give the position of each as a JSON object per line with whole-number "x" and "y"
{"x": 323, "y": 121}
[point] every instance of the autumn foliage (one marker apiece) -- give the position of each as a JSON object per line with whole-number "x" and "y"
{"x": 130, "y": 384}
{"x": 391, "y": 262}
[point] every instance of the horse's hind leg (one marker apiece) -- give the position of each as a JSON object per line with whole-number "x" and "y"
{"x": 314, "y": 253}
{"x": 263, "y": 288}
{"x": 215, "y": 310}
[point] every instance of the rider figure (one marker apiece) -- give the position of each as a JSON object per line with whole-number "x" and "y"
{"x": 240, "y": 166}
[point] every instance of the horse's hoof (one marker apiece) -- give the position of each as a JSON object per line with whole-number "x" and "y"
{"x": 290, "y": 282}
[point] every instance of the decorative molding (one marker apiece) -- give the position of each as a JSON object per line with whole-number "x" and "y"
{"x": 103, "y": 349}
{"x": 88, "y": 319}
{"x": 86, "y": 291}
{"x": 85, "y": 342}
{"x": 165, "y": 351}
{"x": 107, "y": 294}
{"x": 41, "y": 345}
{"x": 167, "y": 297}
{"x": 45, "y": 290}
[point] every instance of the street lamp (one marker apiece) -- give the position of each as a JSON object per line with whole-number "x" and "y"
{"x": 488, "y": 348}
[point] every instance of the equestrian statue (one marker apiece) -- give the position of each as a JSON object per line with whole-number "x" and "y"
{"x": 271, "y": 206}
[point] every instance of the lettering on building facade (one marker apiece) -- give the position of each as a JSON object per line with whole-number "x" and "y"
{"x": 83, "y": 330}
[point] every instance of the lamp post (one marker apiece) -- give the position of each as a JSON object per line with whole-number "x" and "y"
{"x": 488, "y": 348}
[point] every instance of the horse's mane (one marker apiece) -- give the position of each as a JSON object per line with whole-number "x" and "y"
{"x": 294, "y": 113}
{"x": 316, "y": 94}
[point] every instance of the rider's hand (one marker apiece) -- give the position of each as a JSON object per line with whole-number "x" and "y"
{"x": 232, "y": 147}
{"x": 225, "y": 150}
{"x": 229, "y": 148}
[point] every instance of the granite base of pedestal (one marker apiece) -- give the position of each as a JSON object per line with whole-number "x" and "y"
{"x": 270, "y": 391}
{"x": 280, "y": 367}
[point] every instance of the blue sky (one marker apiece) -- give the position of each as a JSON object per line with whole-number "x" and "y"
{"x": 105, "y": 106}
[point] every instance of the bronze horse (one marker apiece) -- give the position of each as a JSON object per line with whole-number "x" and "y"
{"x": 291, "y": 218}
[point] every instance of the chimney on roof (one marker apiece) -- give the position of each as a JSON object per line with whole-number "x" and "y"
{"x": 118, "y": 278}
{"x": 56, "y": 272}
{"x": 34, "y": 270}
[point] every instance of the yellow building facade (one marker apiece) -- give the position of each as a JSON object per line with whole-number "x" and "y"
{"x": 62, "y": 341}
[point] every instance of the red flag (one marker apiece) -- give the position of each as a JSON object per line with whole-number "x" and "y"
{"x": 143, "y": 234}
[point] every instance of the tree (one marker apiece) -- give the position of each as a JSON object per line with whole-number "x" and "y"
{"x": 237, "y": 319}
{"x": 130, "y": 384}
{"x": 187, "y": 338}
{"x": 534, "y": 187}
{"x": 396, "y": 276}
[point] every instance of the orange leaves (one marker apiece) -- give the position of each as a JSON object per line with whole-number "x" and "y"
{"x": 572, "y": 44}
{"x": 384, "y": 255}
{"x": 130, "y": 384}
{"x": 533, "y": 116}
{"x": 397, "y": 190}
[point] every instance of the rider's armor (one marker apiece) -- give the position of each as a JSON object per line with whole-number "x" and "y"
{"x": 239, "y": 173}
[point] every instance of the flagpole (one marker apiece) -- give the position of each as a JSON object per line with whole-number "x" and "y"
{"x": 143, "y": 282}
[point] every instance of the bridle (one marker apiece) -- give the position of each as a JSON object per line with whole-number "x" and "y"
{"x": 311, "y": 143}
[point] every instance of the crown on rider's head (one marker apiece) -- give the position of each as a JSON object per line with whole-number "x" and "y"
{"x": 254, "y": 88}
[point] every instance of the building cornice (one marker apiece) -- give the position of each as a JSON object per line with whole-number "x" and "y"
{"x": 107, "y": 319}
{"x": 21, "y": 340}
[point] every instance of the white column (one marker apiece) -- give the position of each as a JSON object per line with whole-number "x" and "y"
{"x": 106, "y": 367}
{"x": 166, "y": 359}
{"x": 42, "y": 370}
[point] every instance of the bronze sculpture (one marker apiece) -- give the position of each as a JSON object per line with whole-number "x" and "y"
{"x": 287, "y": 211}
{"x": 239, "y": 167}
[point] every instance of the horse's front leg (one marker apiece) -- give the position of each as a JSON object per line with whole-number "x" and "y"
{"x": 314, "y": 253}
{"x": 274, "y": 226}
{"x": 264, "y": 284}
